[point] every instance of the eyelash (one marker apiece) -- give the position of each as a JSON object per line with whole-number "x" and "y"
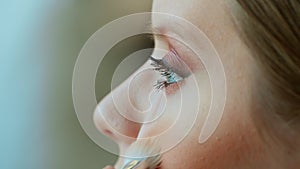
{"x": 168, "y": 76}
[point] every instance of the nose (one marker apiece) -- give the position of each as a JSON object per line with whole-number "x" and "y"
{"x": 121, "y": 113}
{"x": 111, "y": 122}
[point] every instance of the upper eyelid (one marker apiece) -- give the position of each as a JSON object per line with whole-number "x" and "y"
{"x": 167, "y": 38}
{"x": 173, "y": 64}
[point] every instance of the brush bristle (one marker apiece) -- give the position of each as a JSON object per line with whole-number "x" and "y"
{"x": 148, "y": 150}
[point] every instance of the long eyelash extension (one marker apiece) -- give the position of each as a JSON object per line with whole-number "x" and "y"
{"x": 157, "y": 63}
{"x": 161, "y": 84}
{"x": 164, "y": 71}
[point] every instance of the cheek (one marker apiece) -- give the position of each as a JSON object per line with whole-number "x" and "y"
{"x": 179, "y": 111}
{"x": 234, "y": 145}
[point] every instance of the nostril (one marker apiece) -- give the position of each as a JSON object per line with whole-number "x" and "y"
{"x": 112, "y": 124}
{"x": 107, "y": 132}
{"x": 104, "y": 128}
{"x": 100, "y": 124}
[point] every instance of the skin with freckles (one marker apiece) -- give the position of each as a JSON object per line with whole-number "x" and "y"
{"x": 236, "y": 144}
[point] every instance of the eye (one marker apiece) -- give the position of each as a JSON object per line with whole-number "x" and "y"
{"x": 171, "y": 69}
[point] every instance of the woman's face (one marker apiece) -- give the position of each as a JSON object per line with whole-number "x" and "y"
{"x": 235, "y": 143}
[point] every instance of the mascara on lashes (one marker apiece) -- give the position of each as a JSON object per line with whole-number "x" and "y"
{"x": 171, "y": 67}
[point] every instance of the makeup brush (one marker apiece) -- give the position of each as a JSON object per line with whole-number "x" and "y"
{"x": 143, "y": 154}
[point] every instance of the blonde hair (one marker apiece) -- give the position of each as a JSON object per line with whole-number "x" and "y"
{"x": 271, "y": 29}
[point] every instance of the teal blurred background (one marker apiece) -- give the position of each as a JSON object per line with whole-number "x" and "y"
{"x": 40, "y": 41}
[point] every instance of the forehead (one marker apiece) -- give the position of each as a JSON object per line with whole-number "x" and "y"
{"x": 173, "y": 7}
{"x": 205, "y": 14}
{"x": 212, "y": 17}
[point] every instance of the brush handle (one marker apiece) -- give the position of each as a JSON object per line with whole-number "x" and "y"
{"x": 131, "y": 164}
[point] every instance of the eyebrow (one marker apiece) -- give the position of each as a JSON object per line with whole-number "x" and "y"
{"x": 176, "y": 30}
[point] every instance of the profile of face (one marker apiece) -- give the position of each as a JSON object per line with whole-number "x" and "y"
{"x": 236, "y": 143}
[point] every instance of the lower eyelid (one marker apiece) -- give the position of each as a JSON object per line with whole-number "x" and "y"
{"x": 174, "y": 87}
